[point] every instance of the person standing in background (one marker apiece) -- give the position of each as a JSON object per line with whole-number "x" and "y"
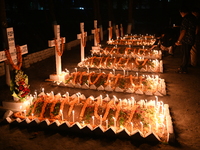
{"x": 186, "y": 37}
{"x": 195, "y": 51}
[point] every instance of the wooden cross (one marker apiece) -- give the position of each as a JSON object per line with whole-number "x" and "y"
{"x": 58, "y": 47}
{"x": 12, "y": 51}
{"x": 110, "y": 31}
{"x": 82, "y": 36}
{"x": 121, "y": 30}
{"x": 96, "y": 34}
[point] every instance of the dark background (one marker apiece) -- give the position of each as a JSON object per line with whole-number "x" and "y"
{"x": 33, "y": 20}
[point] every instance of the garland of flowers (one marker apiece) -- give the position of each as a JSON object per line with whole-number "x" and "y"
{"x": 83, "y": 41}
{"x": 97, "y": 36}
{"x": 19, "y": 85}
{"x": 19, "y": 58}
{"x": 59, "y": 52}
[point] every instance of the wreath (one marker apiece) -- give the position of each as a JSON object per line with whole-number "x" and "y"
{"x": 19, "y": 86}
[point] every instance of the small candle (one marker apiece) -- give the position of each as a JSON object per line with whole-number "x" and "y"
{"x": 42, "y": 90}
{"x": 106, "y": 124}
{"x": 101, "y": 100}
{"x": 61, "y": 114}
{"x": 131, "y": 127}
{"x": 114, "y": 71}
{"x": 32, "y": 115}
{"x": 67, "y": 94}
{"x": 72, "y": 115}
{"x": 141, "y": 126}
{"x": 150, "y": 128}
{"x": 88, "y": 70}
{"x": 114, "y": 122}
{"x": 75, "y": 69}
{"x": 137, "y": 74}
{"x": 93, "y": 120}
{"x": 100, "y": 120}
{"x": 36, "y": 94}
{"x": 25, "y": 113}
{"x": 52, "y": 94}
{"x": 20, "y": 108}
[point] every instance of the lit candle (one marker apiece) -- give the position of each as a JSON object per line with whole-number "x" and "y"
{"x": 72, "y": 115}
{"x": 42, "y": 90}
{"x": 114, "y": 99}
{"x": 137, "y": 74}
{"x": 67, "y": 94}
{"x": 131, "y": 127}
{"x": 52, "y": 94}
{"x": 156, "y": 102}
{"x": 100, "y": 120}
{"x": 106, "y": 124}
{"x": 101, "y": 100}
{"x": 150, "y": 128}
{"x": 35, "y": 94}
{"x": 75, "y": 69}
{"x": 88, "y": 70}
{"x": 93, "y": 120}
{"x": 20, "y": 108}
{"x": 114, "y": 71}
{"x": 32, "y": 115}
{"x": 25, "y": 113}
{"x": 141, "y": 126}
{"x": 114, "y": 122}
{"x": 61, "y": 114}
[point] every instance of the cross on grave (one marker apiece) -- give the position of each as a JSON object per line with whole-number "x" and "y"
{"x": 117, "y": 32}
{"x": 109, "y": 31}
{"x": 58, "y": 43}
{"x": 121, "y": 30}
{"x": 12, "y": 53}
{"x": 96, "y": 34}
{"x": 82, "y": 36}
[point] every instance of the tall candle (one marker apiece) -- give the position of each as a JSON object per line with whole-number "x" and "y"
{"x": 101, "y": 100}
{"x": 100, "y": 120}
{"x": 141, "y": 126}
{"x": 72, "y": 115}
{"x": 106, "y": 124}
{"x": 25, "y": 113}
{"x": 61, "y": 114}
{"x": 114, "y": 122}
{"x": 131, "y": 127}
{"x": 93, "y": 120}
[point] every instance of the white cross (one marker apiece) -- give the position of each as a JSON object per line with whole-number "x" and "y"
{"x": 109, "y": 31}
{"x": 53, "y": 43}
{"x": 82, "y": 36}
{"x": 96, "y": 33}
{"x": 12, "y": 50}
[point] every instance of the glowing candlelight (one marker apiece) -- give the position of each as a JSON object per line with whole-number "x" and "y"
{"x": 150, "y": 130}
{"x": 101, "y": 100}
{"x": 141, "y": 126}
{"x": 131, "y": 127}
{"x": 114, "y": 122}
{"x": 32, "y": 115}
{"x": 133, "y": 100}
{"x": 25, "y": 113}
{"x": 42, "y": 90}
{"x": 52, "y": 94}
{"x": 114, "y": 71}
{"x": 93, "y": 120}
{"x": 67, "y": 94}
{"x": 156, "y": 102}
{"x": 75, "y": 69}
{"x": 137, "y": 74}
{"x": 20, "y": 108}
{"x": 61, "y": 114}
{"x": 72, "y": 115}
{"x": 35, "y": 94}
{"x": 106, "y": 124}
{"x": 100, "y": 120}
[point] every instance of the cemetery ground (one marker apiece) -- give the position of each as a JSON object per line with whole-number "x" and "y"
{"x": 183, "y": 97}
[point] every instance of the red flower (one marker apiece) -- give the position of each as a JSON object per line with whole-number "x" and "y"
{"x": 21, "y": 88}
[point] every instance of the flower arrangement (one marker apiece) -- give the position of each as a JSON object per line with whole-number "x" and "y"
{"x": 19, "y": 86}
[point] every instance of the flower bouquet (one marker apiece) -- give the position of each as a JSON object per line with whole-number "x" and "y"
{"x": 19, "y": 86}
